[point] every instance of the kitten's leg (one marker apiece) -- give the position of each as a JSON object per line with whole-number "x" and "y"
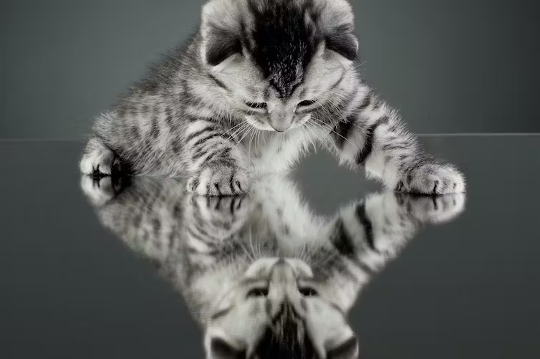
{"x": 373, "y": 136}
{"x": 216, "y": 161}
{"x": 97, "y": 158}
{"x": 146, "y": 214}
{"x": 378, "y": 227}
{"x": 432, "y": 210}
{"x": 369, "y": 234}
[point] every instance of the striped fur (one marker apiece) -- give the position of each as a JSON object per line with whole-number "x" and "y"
{"x": 262, "y": 274}
{"x": 247, "y": 95}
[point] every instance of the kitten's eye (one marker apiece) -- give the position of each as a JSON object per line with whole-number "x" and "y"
{"x": 308, "y": 292}
{"x": 257, "y": 105}
{"x": 258, "y": 292}
{"x": 307, "y": 103}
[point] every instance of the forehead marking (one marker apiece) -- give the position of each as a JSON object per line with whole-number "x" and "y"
{"x": 284, "y": 43}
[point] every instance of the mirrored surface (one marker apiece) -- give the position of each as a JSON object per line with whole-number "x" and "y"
{"x": 322, "y": 262}
{"x": 262, "y": 274}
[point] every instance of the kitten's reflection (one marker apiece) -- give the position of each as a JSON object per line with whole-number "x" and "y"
{"x": 263, "y": 275}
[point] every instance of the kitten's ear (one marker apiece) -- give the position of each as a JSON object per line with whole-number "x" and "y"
{"x": 347, "y": 350}
{"x": 220, "y": 30}
{"x": 220, "y": 46}
{"x": 342, "y": 41}
{"x": 220, "y": 349}
{"x": 337, "y": 19}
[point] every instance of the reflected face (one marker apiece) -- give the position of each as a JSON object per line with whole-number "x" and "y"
{"x": 277, "y": 308}
{"x": 260, "y": 291}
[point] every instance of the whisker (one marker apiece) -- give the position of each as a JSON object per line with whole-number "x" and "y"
{"x": 253, "y": 132}
{"x": 332, "y": 131}
{"x": 245, "y": 125}
{"x": 320, "y": 140}
{"x": 309, "y": 137}
{"x": 246, "y": 132}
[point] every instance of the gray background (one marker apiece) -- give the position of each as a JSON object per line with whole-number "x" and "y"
{"x": 449, "y": 66}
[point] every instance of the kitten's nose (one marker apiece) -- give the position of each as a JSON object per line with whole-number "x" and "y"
{"x": 283, "y": 287}
{"x": 281, "y": 121}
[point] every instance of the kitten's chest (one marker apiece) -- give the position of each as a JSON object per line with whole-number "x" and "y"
{"x": 273, "y": 152}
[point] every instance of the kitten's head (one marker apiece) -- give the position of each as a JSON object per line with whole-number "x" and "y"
{"x": 276, "y": 61}
{"x": 278, "y": 310}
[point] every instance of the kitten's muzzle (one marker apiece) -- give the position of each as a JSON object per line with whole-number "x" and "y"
{"x": 281, "y": 121}
{"x": 283, "y": 289}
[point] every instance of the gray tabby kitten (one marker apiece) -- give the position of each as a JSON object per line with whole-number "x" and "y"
{"x": 256, "y": 85}
{"x": 264, "y": 276}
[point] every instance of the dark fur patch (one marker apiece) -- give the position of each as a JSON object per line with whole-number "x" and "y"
{"x": 221, "y": 45}
{"x": 217, "y": 82}
{"x": 286, "y": 338}
{"x": 342, "y": 131}
{"x": 198, "y": 133}
{"x": 283, "y": 44}
{"x": 361, "y": 214}
{"x": 342, "y": 241}
{"x": 135, "y": 132}
{"x": 366, "y": 101}
{"x": 363, "y": 155}
{"x": 155, "y": 128}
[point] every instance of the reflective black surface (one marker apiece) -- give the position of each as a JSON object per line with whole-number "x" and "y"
{"x": 468, "y": 288}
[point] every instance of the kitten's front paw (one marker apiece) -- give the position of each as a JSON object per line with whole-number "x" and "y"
{"x": 219, "y": 180}
{"x": 98, "y": 162}
{"x": 434, "y": 179}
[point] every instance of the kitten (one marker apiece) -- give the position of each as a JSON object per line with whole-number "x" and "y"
{"x": 258, "y": 83}
{"x": 264, "y": 276}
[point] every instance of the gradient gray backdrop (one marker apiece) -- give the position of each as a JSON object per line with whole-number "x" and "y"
{"x": 448, "y": 65}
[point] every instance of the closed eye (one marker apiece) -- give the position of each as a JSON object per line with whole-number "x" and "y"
{"x": 308, "y": 292}
{"x": 257, "y": 105}
{"x": 307, "y": 103}
{"x": 258, "y": 292}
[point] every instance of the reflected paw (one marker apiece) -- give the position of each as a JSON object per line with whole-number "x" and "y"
{"x": 434, "y": 209}
{"x": 222, "y": 211}
{"x": 220, "y": 217}
{"x": 433, "y": 179}
{"x": 99, "y": 191}
{"x": 219, "y": 180}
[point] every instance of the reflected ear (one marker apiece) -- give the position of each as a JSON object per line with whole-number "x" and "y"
{"x": 343, "y": 42}
{"x": 347, "y": 350}
{"x": 220, "y": 349}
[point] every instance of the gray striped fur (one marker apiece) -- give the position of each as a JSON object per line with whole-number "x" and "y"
{"x": 260, "y": 82}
